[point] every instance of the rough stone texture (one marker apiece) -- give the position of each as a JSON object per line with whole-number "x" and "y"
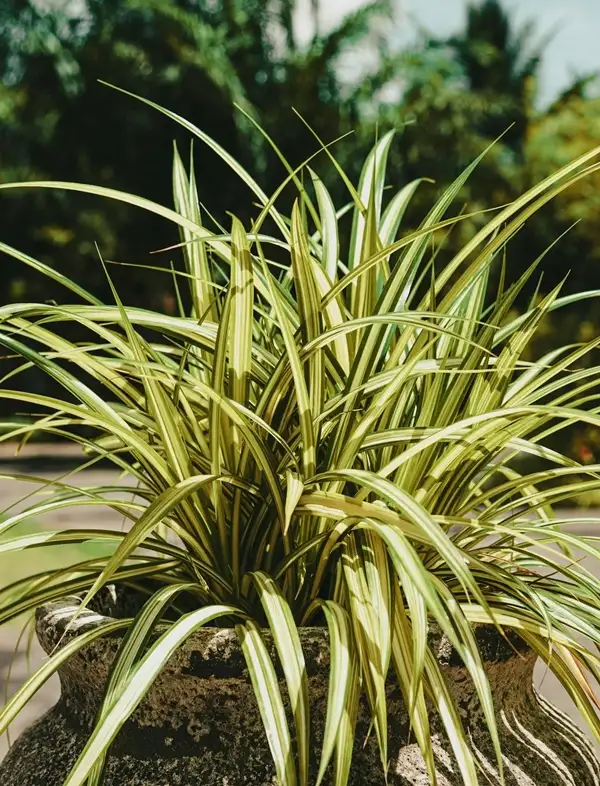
{"x": 199, "y": 725}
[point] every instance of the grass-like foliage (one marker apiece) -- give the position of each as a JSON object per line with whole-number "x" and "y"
{"x": 328, "y": 442}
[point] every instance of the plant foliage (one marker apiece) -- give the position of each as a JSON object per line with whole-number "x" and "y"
{"x": 329, "y": 443}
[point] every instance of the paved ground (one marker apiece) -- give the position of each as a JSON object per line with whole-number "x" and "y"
{"x": 11, "y": 491}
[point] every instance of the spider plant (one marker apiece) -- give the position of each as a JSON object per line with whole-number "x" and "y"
{"x": 328, "y": 443}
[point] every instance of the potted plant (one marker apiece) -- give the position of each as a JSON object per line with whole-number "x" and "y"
{"x": 332, "y": 571}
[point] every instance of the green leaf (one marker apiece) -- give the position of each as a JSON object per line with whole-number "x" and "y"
{"x": 342, "y": 676}
{"x": 373, "y": 650}
{"x": 329, "y": 228}
{"x": 141, "y": 678}
{"x": 129, "y": 652}
{"x": 289, "y": 648}
{"x": 270, "y": 703}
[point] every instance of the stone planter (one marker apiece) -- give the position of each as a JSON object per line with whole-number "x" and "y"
{"x": 200, "y": 726}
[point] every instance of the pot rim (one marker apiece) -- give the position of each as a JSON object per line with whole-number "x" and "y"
{"x": 215, "y": 651}
{"x": 55, "y": 626}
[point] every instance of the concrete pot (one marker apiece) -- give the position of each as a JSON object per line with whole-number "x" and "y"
{"x": 200, "y": 726}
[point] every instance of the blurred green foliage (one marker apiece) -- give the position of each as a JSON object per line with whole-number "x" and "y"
{"x": 199, "y": 58}
{"x": 228, "y": 64}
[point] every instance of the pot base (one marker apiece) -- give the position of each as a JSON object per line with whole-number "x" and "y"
{"x": 551, "y": 751}
{"x": 199, "y": 724}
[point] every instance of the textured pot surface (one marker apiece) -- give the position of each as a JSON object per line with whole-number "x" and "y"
{"x": 200, "y": 726}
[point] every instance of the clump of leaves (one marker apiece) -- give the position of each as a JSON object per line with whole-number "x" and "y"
{"x": 329, "y": 442}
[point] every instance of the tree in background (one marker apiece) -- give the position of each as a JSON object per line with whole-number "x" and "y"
{"x": 501, "y": 64}
{"x": 454, "y": 97}
{"x": 458, "y": 95}
{"x": 196, "y": 57}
